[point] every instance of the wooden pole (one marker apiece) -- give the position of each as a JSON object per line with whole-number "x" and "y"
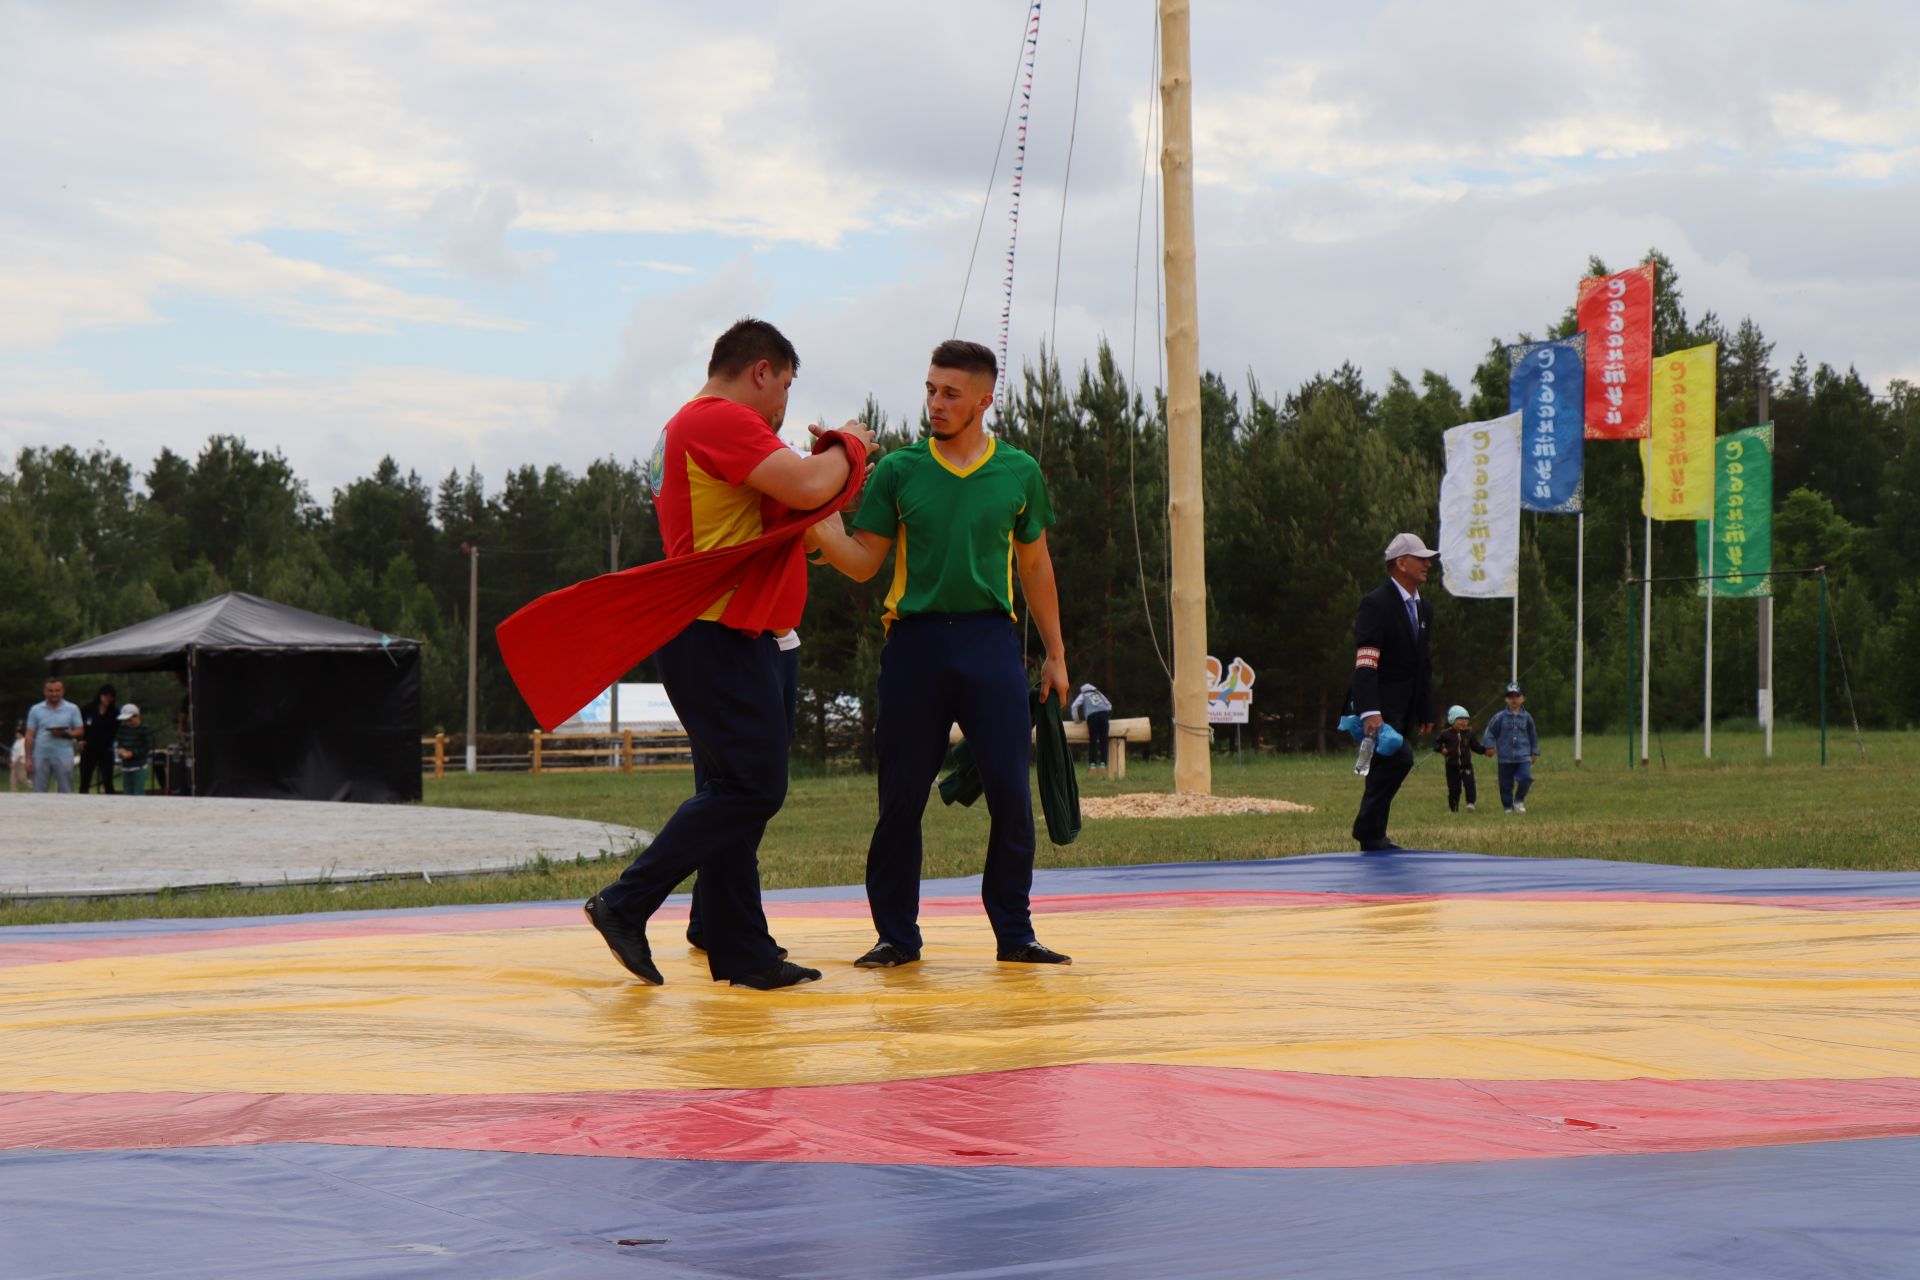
{"x": 473, "y": 653}
{"x": 1192, "y": 738}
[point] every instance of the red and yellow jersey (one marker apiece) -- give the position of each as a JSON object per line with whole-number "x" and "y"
{"x": 705, "y": 454}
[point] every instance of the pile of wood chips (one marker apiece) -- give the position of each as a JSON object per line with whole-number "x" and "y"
{"x": 1154, "y": 804}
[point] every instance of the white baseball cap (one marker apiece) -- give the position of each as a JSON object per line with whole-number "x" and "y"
{"x": 129, "y": 710}
{"x": 1409, "y": 544}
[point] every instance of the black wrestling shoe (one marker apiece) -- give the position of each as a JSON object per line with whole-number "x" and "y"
{"x": 785, "y": 975}
{"x": 697, "y": 943}
{"x": 885, "y": 956}
{"x": 1382, "y": 846}
{"x": 628, "y": 944}
{"x": 1032, "y": 953}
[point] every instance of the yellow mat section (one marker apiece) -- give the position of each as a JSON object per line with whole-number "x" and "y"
{"x": 1448, "y": 989}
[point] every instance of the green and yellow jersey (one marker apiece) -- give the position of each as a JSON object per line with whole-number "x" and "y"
{"x": 953, "y": 530}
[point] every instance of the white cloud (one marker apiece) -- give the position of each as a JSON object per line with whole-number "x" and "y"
{"x": 663, "y": 362}
{"x": 469, "y": 226}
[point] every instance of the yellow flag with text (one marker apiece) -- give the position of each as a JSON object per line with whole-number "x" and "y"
{"x": 1677, "y": 455}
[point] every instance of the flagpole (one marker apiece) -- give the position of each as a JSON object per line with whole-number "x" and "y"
{"x": 1768, "y": 602}
{"x": 1763, "y": 382}
{"x": 1514, "y": 667}
{"x": 1707, "y": 739}
{"x": 1579, "y": 630}
{"x": 1646, "y": 618}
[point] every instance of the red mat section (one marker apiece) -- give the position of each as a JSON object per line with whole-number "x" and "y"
{"x": 1104, "y": 1115}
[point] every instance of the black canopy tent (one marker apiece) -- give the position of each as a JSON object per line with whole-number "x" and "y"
{"x": 283, "y": 703}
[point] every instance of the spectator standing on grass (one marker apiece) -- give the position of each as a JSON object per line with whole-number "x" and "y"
{"x": 101, "y": 721}
{"x": 134, "y": 745}
{"x": 53, "y": 726}
{"x": 1517, "y": 746}
{"x": 17, "y": 763}
{"x": 1458, "y": 745}
{"x": 1093, "y": 707}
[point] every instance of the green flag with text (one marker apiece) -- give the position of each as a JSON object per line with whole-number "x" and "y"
{"x": 1742, "y": 525}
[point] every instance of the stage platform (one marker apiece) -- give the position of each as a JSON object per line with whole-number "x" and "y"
{"x": 1414, "y": 1064}
{"x": 54, "y": 846}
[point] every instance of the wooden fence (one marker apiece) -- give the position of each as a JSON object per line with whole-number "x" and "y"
{"x": 626, "y": 752}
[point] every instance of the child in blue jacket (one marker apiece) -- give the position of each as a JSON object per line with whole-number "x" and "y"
{"x": 1516, "y": 745}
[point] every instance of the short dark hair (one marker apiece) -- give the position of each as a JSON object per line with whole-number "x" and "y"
{"x": 747, "y": 343}
{"x": 970, "y": 357}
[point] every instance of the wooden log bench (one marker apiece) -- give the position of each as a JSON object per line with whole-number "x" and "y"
{"x": 1119, "y": 734}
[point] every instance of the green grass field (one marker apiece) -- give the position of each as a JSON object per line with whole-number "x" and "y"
{"x": 1737, "y": 810}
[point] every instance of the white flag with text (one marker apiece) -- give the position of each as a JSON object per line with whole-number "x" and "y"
{"x": 1480, "y": 509}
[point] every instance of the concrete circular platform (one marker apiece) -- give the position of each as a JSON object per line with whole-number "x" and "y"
{"x": 54, "y": 846}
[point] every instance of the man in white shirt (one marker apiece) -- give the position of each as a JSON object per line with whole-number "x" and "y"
{"x": 52, "y": 728}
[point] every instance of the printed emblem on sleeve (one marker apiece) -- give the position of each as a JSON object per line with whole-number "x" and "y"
{"x": 1366, "y": 657}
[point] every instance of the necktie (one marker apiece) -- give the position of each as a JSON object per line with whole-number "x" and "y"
{"x": 1413, "y": 615}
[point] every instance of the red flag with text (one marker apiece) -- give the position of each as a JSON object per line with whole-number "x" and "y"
{"x": 1616, "y": 314}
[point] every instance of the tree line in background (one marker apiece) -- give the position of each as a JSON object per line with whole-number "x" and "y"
{"x": 1302, "y": 491}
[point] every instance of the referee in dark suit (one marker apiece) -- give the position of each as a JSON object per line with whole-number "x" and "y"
{"x": 1392, "y": 678}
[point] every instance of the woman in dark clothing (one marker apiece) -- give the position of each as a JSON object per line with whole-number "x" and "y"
{"x": 100, "y": 722}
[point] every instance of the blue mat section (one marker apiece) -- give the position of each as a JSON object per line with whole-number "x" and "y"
{"x": 1412, "y": 872}
{"x": 1440, "y": 871}
{"x": 1814, "y": 1212}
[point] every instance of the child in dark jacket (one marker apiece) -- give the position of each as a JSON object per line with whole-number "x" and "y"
{"x": 1457, "y": 745}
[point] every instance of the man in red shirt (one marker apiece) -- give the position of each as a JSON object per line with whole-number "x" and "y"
{"x": 724, "y": 474}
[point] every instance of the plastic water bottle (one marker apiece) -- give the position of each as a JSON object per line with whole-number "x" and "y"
{"x": 1363, "y": 763}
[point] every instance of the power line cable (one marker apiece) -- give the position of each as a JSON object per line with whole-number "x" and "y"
{"x": 1833, "y": 624}
{"x": 1060, "y": 235}
{"x": 1133, "y": 344}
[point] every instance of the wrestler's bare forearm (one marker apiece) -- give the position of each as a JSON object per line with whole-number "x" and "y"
{"x": 859, "y": 554}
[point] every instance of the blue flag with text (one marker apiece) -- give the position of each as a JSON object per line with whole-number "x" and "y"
{"x": 1547, "y": 387}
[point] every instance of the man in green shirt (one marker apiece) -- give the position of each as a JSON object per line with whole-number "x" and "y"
{"x": 954, "y": 518}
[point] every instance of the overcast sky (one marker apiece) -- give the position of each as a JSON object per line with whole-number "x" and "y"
{"x": 491, "y": 233}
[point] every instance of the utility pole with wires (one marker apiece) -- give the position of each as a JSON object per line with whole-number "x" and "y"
{"x": 1192, "y": 736}
{"x": 613, "y": 566}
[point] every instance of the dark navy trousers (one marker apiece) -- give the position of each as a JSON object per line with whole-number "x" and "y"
{"x": 790, "y": 685}
{"x": 726, "y": 688}
{"x": 938, "y": 669}
{"x": 1376, "y": 802}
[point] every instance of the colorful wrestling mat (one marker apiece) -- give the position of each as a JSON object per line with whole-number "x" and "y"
{"x": 1418, "y": 1064}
